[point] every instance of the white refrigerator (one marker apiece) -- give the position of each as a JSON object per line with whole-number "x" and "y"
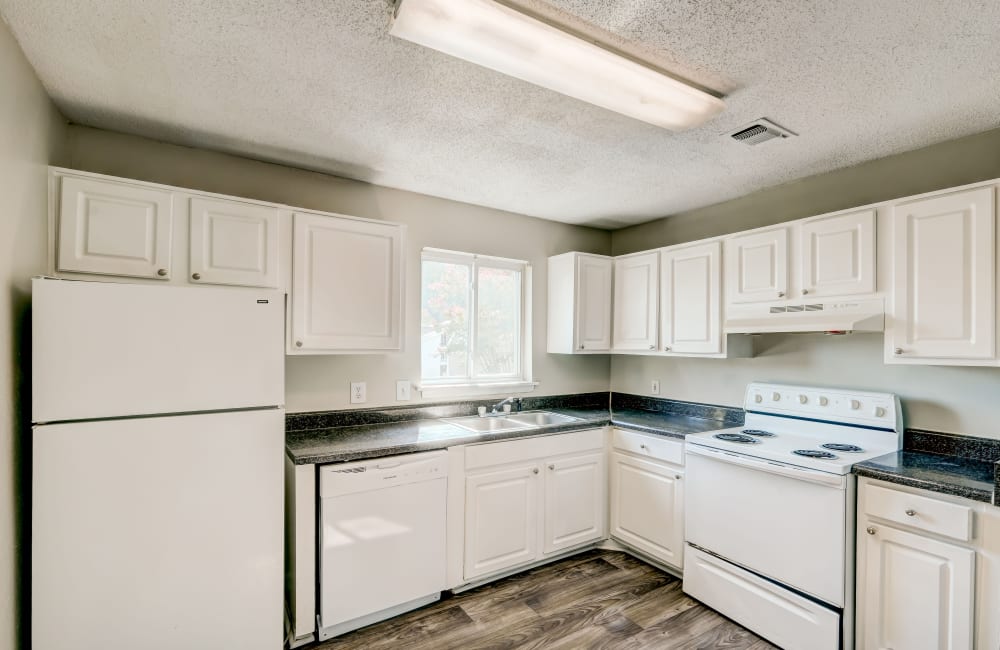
{"x": 157, "y": 467}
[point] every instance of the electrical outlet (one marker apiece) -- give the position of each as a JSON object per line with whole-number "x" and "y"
{"x": 359, "y": 392}
{"x": 402, "y": 390}
{"x": 654, "y": 388}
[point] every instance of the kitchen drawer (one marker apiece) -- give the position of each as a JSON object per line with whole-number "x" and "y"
{"x": 665, "y": 449}
{"x": 532, "y": 448}
{"x": 924, "y": 513}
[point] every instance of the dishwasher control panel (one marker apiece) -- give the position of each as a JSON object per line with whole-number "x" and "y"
{"x": 375, "y": 473}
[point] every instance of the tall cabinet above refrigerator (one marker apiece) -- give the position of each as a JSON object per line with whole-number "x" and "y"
{"x": 157, "y": 474}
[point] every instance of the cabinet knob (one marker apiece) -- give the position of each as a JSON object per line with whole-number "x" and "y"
{"x": 910, "y": 512}
{"x": 805, "y": 292}
{"x": 781, "y": 294}
{"x": 642, "y": 446}
{"x": 666, "y": 348}
{"x": 552, "y": 466}
{"x": 196, "y": 276}
{"x": 298, "y": 344}
{"x": 162, "y": 273}
{"x": 534, "y": 470}
{"x": 581, "y": 346}
{"x": 677, "y": 477}
{"x": 898, "y": 351}
{"x": 652, "y": 347}
{"x": 871, "y": 530}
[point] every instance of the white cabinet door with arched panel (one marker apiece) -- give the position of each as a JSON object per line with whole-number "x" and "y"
{"x": 234, "y": 243}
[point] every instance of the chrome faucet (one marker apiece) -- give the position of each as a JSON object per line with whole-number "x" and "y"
{"x": 499, "y": 405}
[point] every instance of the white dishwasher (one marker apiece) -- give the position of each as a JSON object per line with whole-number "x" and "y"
{"x": 382, "y": 539}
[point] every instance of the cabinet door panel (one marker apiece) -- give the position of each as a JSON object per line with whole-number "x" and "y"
{"x": 647, "y": 507}
{"x": 346, "y": 284}
{"x": 635, "y": 302}
{"x": 757, "y": 266}
{"x": 690, "y": 286}
{"x": 574, "y": 501}
{"x": 943, "y": 284}
{"x": 501, "y": 520}
{"x": 593, "y": 303}
{"x": 114, "y": 229}
{"x": 234, "y": 243}
{"x": 919, "y": 592}
{"x": 838, "y": 255}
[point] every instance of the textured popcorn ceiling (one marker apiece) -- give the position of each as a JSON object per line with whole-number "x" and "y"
{"x": 320, "y": 84}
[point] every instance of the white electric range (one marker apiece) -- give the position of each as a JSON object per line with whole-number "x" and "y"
{"x": 770, "y": 510}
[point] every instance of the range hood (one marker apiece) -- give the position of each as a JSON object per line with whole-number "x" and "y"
{"x": 834, "y": 317}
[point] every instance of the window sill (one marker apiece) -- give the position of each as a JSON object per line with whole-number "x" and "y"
{"x": 475, "y": 390}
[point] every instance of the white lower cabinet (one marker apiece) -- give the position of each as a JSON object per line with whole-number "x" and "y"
{"x": 928, "y": 571}
{"x": 647, "y": 496}
{"x": 574, "y": 501}
{"x": 501, "y": 519}
{"x": 529, "y": 498}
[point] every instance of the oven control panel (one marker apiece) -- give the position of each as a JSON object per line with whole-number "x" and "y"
{"x": 828, "y": 404}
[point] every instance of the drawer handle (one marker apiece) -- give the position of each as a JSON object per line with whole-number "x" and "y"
{"x": 911, "y": 512}
{"x": 534, "y": 470}
{"x": 552, "y": 466}
{"x": 642, "y": 447}
{"x": 871, "y": 530}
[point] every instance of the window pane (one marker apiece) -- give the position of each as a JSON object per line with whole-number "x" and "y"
{"x": 444, "y": 320}
{"x": 498, "y": 325}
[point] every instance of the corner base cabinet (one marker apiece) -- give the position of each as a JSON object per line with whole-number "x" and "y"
{"x": 531, "y": 498}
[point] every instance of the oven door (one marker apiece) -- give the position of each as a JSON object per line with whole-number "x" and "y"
{"x": 783, "y": 522}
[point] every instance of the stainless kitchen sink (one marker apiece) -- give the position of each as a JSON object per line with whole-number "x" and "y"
{"x": 541, "y": 418}
{"x": 487, "y": 424}
{"x": 512, "y": 422}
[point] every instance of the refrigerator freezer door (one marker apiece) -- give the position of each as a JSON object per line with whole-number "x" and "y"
{"x": 111, "y": 350}
{"x": 158, "y": 533}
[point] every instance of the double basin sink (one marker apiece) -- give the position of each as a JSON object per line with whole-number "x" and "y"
{"x": 512, "y": 422}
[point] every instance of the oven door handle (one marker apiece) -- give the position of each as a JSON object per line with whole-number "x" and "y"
{"x": 802, "y": 474}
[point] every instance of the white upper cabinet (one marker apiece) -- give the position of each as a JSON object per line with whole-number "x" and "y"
{"x": 635, "y": 302}
{"x": 347, "y": 285}
{"x": 838, "y": 255}
{"x": 757, "y": 266}
{"x": 234, "y": 243}
{"x": 579, "y": 303}
{"x": 690, "y": 299}
{"x": 114, "y": 228}
{"x": 944, "y": 294}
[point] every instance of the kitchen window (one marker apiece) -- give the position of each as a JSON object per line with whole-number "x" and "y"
{"x": 474, "y": 324}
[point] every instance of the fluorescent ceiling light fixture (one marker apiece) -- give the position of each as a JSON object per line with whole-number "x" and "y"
{"x": 495, "y": 36}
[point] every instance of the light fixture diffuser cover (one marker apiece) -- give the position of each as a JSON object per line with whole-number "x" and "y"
{"x": 498, "y": 37}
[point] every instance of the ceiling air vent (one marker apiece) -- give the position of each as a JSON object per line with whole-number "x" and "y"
{"x": 759, "y": 131}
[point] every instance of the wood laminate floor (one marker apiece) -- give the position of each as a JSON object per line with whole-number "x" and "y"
{"x": 599, "y": 599}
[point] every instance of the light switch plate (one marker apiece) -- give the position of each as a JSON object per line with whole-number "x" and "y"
{"x": 654, "y": 388}
{"x": 402, "y": 390}
{"x": 359, "y": 392}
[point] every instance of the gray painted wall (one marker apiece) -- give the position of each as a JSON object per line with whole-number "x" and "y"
{"x": 943, "y": 398}
{"x": 31, "y": 134}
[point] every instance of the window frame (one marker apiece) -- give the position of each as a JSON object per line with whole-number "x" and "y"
{"x": 471, "y": 384}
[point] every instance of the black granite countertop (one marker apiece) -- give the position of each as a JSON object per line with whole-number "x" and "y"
{"x": 962, "y": 466}
{"x": 332, "y": 444}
